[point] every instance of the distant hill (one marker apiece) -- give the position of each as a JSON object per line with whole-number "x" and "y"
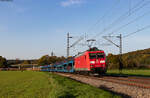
{"x": 135, "y": 59}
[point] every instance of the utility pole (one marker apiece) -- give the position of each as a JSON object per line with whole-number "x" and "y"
{"x": 119, "y": 46}
{"x": 68, "y": 46}
{"x": 120, "y": 57}
{"x": 120, "y": 39}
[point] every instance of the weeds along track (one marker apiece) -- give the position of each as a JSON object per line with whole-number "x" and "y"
{"x": 130, "y": 81}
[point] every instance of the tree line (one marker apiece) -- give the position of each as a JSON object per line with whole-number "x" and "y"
{"x": 44, "y": 60}
{"x": 135, "y": 59}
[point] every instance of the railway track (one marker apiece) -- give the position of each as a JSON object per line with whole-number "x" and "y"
{"x": 127, "y": 81}
{"x": 137, "y": 80}
{"x": 130, "y": 81}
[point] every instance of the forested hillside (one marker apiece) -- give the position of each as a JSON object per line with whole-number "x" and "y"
{"x": 135, "y": 59}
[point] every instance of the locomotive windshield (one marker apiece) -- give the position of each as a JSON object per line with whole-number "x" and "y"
{"x": 96, "y": 55}
{"x": 100, "y": 55}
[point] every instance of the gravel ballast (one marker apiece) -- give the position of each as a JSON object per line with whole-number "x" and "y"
{"x": 124, "y": 90}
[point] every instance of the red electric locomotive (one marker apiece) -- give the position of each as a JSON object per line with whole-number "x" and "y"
{"x": 92, "y": 60}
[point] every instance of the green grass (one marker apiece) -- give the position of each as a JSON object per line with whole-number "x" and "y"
{"x": 24, "y": 85}
{"x": 67, "y": 88}
{"x": 29, "y": 84}
{"x": 138, "y": 72}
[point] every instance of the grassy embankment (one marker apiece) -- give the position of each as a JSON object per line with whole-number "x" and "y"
{"x": 45, "y": 85}
{"x": 138, "y": 72}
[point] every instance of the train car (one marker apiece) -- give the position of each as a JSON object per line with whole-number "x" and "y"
{"x": 65, "y": 66}
{"x": 45, "y": 68}
{"x": 92, "y": 60}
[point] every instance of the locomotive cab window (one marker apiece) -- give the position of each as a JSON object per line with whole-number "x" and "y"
{"x": 100, "y": 55}
{"x": 92, "y": 55}
{"x": 96, "y": 55}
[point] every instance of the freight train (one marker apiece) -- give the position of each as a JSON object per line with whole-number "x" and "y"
{"x": 90, "y": 61}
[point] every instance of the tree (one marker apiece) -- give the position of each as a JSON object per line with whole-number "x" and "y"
{"x": 46, "y": 60}
{"x": 113, "y": 61}
{"x": 26, "y": 62}
{"x": 3, "y": 62}
{"x": 43, "y": 60}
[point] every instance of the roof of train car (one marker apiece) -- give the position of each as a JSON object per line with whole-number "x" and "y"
{"x": 94, "y": 49}
{"x": 64, "y": 62}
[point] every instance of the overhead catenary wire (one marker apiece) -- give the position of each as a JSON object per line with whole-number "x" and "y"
{"x": 85, "y": 36}
{"x": 136, "y": 8}
{"x": 101, "y": 19}
{"x": 139, "y": 30}
{"x": 132, "y": 10}
{"x": 130, "y": 22}
{"x": 105, "y": 14}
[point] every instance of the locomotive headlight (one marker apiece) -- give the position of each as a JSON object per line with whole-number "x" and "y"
{"x": 102, "y": 61}
{"x": 92, "y": 62}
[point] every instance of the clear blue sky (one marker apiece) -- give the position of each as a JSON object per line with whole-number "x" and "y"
{"x": 30, "y": 29}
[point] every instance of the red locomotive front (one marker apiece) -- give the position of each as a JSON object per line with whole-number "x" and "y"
{"x": 91, "y": 61}
{"x": 97, "y": 62}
